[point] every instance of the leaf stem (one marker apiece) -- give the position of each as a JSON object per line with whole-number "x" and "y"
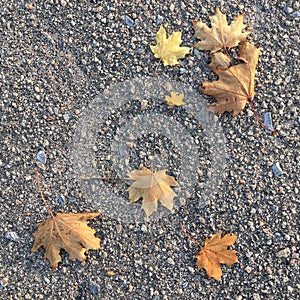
{"x": 157, "y": 68}
{"x": 259, "y": 119}
{"x": 188, "y": 236}
{"x": 41, "y": 193}
{"x": 227, "y": 53}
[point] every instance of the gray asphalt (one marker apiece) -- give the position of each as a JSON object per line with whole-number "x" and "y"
{"x": 56, "y": 57}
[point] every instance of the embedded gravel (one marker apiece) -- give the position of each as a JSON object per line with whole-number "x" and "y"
{"x": 58, "y": 55}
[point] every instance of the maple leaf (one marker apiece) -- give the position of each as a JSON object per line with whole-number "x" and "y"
{"x": 220, "y": 35}
{"x": 152, "y": 186}
{"x": 168, "y": 49}
{"x": 66, "y": 231}
{"x": 174, "y": 99}
{"x": 236, "y": 84}
{"x": 215, "y": 252}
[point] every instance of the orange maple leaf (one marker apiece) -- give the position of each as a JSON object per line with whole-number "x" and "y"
{"x": 66, "y": 231}
{"x": 215, "y": 252}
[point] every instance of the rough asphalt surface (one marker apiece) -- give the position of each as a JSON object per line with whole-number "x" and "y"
{"x": 58, "y": 55}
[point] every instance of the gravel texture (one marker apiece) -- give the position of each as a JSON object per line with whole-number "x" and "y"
{"x": 56, "y": 57}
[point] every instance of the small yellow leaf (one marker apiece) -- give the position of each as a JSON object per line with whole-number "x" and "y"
{"x": 168, "y": 49}
{"x": 215, "y": 252}
{"x": 66, "y": 231}
{"x": 152, "y": 186}
{"x": 174, "y": 99}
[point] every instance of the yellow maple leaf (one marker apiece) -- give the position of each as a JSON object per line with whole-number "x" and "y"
{"x": 236, "y": 84}
{"x": 152, "y": 186}
{"x": 215, "y": 252}
{"x": 66, "y": 231}
{"x": 220, "y": 35}
{"x": 168, "y": 49}
{"x": 174, "y": 99}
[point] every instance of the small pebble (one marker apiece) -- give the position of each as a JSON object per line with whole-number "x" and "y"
{"x": 256, "y": 296}
{"x": 144, "y": 228}
{"x": 94, "y": 288}
{"x": 47, "y": 280}
{"x": 60, "y": 199}
{"x": 140, "y": 51}
{"x": 171, "y": 261}
{"x": 288, "y": 10}
{"x": 12, "y": 236}
{"x": 185, "y": 285}
{"x": 129, "y": 21}
{"x": 296, "y": 14}
{"x": 55, "y": 110}
{"x": 159, "y": 19}
{"x": 206, "y": 69}
{"x": 119, "y": 228}
{"x": 66, "y": 117}
{"x": 277, "y": 171}
{"x": 41, "y": 156}
{"x": 284, "y": 252}
{"x": 196, "y": 52}
{"x": 182, "y": 71}
{"x": 268, "y": 121}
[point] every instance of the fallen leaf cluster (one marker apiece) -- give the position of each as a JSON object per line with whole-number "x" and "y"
{"x": 233, "y": 89}
{"x": 236, "y": 83}
{"x": 235, "y": 86}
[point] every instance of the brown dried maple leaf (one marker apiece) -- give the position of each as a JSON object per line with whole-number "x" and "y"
{"x": 66, "y": 231}
{"x": 215, "y": 252}
{"x": 236, "y": 84}
{"x": 152, "y": 186}
{"x": 220, "y": 35}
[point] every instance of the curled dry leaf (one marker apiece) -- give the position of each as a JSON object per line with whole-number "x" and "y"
{"x": 168, "y": 49}
{"x": 219, "y": 61}
{"x": 152, "y": 187}
{"x": 236, "y": 84}
{"x": 66, "y": 231}
{"x": 220, "y": 35}
{"x": 174, "y": 99}
{"x": 215, "y": 252}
